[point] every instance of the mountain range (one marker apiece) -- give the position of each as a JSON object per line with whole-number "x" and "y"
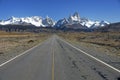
{"x": 73, "y": 21}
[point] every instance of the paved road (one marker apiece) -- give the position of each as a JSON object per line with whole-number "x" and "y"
{"x": 56, "y": 60}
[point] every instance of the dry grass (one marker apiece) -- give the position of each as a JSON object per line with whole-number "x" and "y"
{"x": 109, "y": 40}
{"x": 14, "y": 34}
{"x": 10, "y": 41}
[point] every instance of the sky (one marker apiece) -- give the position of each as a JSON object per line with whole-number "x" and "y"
{"x": 108, "y": 10}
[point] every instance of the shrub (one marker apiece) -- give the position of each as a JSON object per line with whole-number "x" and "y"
{"x": 1, "y": 52}
{"x": 30, "y": 41}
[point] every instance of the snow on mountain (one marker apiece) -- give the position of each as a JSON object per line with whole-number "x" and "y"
{"x": 61, "y": 22}
{"x": 48, "y": 22}
{"x": 75, "y": 19}
{"x": 99, "y": 24}
{"x": 86, "y": 22}
{"x": 35, "y": 20}
{"x": 11, "y": 20}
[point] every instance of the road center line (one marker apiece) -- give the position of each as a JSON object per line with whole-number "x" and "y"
{"x": 52, "y": 64}
{"x": 92, "y": 57}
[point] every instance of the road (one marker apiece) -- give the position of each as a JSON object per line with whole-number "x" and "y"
{"x": 56, "y": 60}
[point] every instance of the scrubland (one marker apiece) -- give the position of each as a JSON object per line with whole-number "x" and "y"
{"x": 14, "y": 43}
{"x": 108, "y": 42}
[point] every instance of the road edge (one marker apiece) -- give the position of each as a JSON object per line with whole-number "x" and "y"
{"x": 4, "y": 63}
{"x": 106, "y": 64}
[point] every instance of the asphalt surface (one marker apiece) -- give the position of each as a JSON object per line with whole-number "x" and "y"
{"x": 56, "y": 60}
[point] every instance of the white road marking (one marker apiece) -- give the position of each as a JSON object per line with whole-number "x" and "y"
{"x": 53, "y": 60}
{"x": 92, "y": 57}
{"x": 19, "y": 55}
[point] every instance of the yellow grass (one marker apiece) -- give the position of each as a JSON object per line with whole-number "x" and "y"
{"x": 15, "y": 34}
{"x": 108, "y": 40}
{"x": 10, "y": 40}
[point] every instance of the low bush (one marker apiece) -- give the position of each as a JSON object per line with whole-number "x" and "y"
{"x": 30, "y": 41}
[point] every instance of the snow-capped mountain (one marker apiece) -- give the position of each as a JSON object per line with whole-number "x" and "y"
{"x": 35, "y": 20}
{"x": 75, "y": 19}
{"x": 61, "y": 22}
{"x": 48, "y": 22}
{"x": 93, "y": 24}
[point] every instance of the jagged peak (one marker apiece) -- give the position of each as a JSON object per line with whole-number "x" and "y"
{"x": 39, "y": 21}
{"x": 47, "y": 17}
{"x": 12, "y": 17}
{"x": 76, "y": 14}
{"x": 74, "y": 18}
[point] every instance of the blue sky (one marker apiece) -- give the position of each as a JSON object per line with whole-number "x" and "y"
{"x": 93, "y": 9}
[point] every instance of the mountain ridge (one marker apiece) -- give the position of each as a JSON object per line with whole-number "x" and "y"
{"x": 38, "y": 21}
